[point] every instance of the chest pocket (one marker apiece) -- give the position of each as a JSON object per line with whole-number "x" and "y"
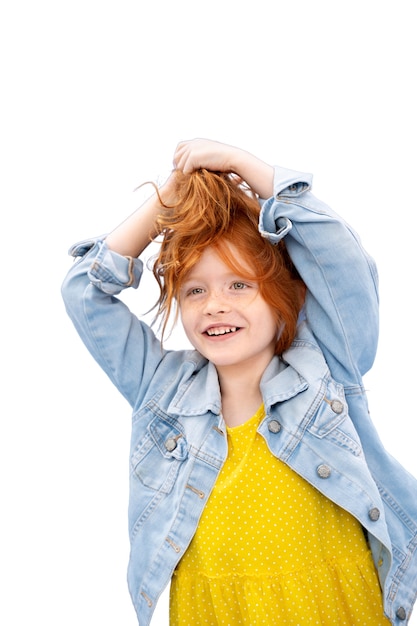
{"x": 159, "y": 455}
{"x": 332, "y": 421}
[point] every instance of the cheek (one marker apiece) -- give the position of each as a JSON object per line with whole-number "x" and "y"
{"x": 182, "y": 314}
{"x": 272, "y": 325}
{"x": 186, "y": 317}
{"x": 189, "y": 329}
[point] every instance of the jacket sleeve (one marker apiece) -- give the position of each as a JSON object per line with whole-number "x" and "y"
{"x": 116, "y": 338}
{"x": 342, "y": 284}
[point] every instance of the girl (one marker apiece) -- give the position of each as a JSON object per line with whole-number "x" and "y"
{"x": 258, "y": 484}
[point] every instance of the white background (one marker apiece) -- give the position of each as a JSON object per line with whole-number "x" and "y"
{"x": 94, "y": 97}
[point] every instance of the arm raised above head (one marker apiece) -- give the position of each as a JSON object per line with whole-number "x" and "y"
{"x": 341, "y": 278}
{"x": 135, "y": 233}
{"x": 220, "y": 157}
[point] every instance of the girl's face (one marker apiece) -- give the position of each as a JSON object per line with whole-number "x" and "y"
{"x": 225, "y": 317}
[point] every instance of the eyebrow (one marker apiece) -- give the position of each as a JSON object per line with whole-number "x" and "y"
{"x": 201, "y": 277}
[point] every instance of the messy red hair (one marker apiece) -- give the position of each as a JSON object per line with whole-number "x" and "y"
{"x": 213, "y": 209}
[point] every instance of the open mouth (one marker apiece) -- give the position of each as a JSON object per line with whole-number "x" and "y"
{"x": 221, "y": 330}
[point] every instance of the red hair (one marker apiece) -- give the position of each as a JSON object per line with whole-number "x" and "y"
{"x": 213, "y": 209}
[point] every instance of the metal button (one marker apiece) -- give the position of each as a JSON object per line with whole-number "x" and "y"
{"x": 171, "y": 444}
{"x": 400, "y": 613}
{"x": 337, "y": 406}
{"x": 274, "y": 426}
{"x": 374, "y": 514}
{"x": 324, "y": 471}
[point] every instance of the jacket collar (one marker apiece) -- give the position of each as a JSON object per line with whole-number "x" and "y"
{"x": 198, "y": 393}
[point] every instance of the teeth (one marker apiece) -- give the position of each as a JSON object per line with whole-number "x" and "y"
{"x": 222, "y": 330}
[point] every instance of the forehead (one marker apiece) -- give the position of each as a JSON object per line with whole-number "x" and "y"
{"x": 226, "y": 259}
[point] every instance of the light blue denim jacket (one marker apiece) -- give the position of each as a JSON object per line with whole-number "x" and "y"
{"x": 317, "y": 418}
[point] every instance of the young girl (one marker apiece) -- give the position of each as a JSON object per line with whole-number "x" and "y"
{"x": 258, "y": 483}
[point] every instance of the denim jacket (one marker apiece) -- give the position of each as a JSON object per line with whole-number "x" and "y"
{"x": 316, "y": 421}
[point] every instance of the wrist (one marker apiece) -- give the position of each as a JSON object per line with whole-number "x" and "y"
{"x": 255, "y": 172}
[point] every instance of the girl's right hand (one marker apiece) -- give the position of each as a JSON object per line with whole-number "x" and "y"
{"x": 220, "y": 157}
{"x": 211, "y": 155}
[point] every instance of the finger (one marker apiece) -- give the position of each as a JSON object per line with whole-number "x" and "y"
{"x": 185, "y": 162}
{"x": 180, "y": 155}
{"x": 180, "y": 162}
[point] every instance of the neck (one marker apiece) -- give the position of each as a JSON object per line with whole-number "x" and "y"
{"x": 241, "y": 395}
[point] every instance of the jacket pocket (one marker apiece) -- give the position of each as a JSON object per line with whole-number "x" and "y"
{"x": 332, "y": 422}
{"x": 157, "y": 458}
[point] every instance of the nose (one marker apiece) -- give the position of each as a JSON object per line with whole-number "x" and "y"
{"x": 216, "y": 304}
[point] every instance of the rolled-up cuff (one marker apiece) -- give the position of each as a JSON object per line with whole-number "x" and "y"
{"x": 109, "y": 271}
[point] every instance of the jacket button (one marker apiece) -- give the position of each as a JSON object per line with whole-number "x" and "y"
{"x": 374, "y": 514}
{"x": 274, "y": 426}
{"x": 400, "y": 613}
{"x": 324, "y": 471}
{"x": 170, "y": 444}
{"x": 336, "y": 406}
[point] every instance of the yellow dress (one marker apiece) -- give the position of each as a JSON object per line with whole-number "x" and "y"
{"x": 270, "y": 549}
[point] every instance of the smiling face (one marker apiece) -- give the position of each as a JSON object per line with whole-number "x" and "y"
{"x": 211, "y": 212}
{"x": 224, "y": 315}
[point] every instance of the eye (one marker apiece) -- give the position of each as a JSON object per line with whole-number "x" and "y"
{"x": 239, "y": 285}
{"x": 195, "y": 291}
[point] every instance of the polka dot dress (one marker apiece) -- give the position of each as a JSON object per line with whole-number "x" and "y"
{"x": 270, "y": 549}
